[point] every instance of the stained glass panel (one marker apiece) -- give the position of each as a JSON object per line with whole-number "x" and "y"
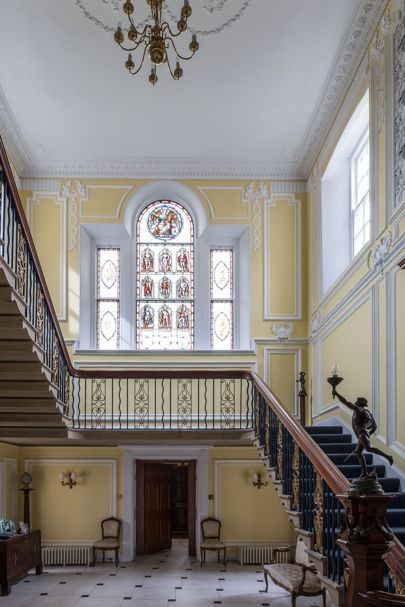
{"x": 221, "y": 286}
{"x": 165, "y": 277}
{"x": 108, "y": 294}
{"x": 221, "y": 325}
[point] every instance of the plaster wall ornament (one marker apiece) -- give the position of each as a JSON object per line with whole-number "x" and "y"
{"x": 282, "y": 331}
{"x": 344, "y": 68}
{"x": 380, "y": 252}
{"x": 399, "y": 111}
{"x": 75, "y": 193}
{"x": 214, "y": 5}
{"x": 377, "y": 59}
{"x": 315, "y": 323}
{"x": 255, "y": 197}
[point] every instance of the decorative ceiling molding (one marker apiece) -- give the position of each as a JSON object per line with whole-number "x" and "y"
{"x": 212, "y": 6}
{"x": 161, "y": 168}
{"x": 340, "y": 76}
{"x": 347, "y": 61}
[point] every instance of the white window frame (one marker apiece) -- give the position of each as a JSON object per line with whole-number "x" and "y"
{"x": 123, "y": 236}
{"x": 222, "y": 247}
{"x": 98, "y": 299}
{"x": 354, "y": 204}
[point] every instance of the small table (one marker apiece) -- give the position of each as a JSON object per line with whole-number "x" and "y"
{"x": 19, "y": 554}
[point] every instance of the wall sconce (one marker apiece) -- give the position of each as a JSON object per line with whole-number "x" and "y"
{"x": 257, "y": 480}
{"x": 68, "y": 479}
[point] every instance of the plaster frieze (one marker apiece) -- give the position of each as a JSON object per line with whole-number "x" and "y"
{"x": 340, "y": 77}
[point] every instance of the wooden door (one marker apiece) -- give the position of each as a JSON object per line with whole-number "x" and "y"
{"x": 179, "y": 498}
{"x": 153, "y": 507}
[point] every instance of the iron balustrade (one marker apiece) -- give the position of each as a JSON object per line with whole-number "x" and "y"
{"x": 177, "y": 400}
{"x": 162, "y": 403}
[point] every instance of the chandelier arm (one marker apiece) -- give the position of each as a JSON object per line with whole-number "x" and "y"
{"x": 139, "y": 32}
{"x": 144, "y": 37}
{"x": 177, "y": 52}
{"x": 166, "y": 26}
{"x": 170, "y": 69}
{"x": 133, "y": 73}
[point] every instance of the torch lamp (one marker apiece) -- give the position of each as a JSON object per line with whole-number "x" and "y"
{"x": 334, "y": 380}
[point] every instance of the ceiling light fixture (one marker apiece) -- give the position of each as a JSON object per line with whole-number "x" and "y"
{"x": 155, "y": 39}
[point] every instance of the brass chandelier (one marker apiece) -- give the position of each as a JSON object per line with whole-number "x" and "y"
{"x": 156, "y": 39}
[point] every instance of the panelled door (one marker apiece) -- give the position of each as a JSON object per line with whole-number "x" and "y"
{"x": 153, "y": 511}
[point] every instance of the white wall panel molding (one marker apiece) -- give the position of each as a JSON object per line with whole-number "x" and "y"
{"x": 296, "y": 353}
{"x": 219, "y": 466}
{"x": 11, "y": 463}
{"x": 61, "y": 305}
{"x": 391, "y": 333}
{"x": 364, "y": 283}
{"x": 296, "y": 204}
{"x": 168, "y": 452}
{"x": 79, "y": 464}
{"x": 324, "y": 332}
{"x": 127, "y": 189}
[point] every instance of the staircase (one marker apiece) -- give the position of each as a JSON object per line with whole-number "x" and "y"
{"x": 339, "y": 446}
{"x": 29, "y": 406}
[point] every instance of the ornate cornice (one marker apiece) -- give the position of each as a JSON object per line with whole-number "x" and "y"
{"x": 347, "y": 61}
{"x": 160, "y": 168}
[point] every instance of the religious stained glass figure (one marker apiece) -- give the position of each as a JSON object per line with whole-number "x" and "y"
{"x": 165, "y": 317}
{"x": 182, "y": 260}
{"x": 164, "y": 280}
{"x": 147, "y": 316}
{"x": 147, "y": 287}
{"x": 165, "y": 261}
{"x": 165, "y": 287}
{"x": 165, "y": 222}
{"x": 147, "y": 263}
{"x": 183, "y": 288}
{"x": 182, "y": 317}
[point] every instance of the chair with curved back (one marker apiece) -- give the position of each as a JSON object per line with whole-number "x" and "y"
{"x": 211, "y": 538}
{"x": 110, "y": 530}
{"x": 300, "y": 578}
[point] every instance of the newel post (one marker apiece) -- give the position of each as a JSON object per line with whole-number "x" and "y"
{"x": 302, "y": 394}
{"x": 364, "y": 539}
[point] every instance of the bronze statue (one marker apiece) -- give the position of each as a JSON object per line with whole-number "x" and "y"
{"x": 364, "y": 425}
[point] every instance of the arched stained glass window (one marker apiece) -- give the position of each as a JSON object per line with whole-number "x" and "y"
{"x": 165, "y": 289}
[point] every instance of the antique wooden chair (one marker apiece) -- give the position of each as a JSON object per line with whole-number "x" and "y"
{"x": 211, "y": 539}
{"x": 300, "y": 577}
{"x": 110, "y": 530}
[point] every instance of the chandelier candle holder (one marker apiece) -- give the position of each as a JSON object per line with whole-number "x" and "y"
{"x": 156, "y": 40}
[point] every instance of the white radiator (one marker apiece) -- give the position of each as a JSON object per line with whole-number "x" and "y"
{"x": 66, "y": 555}
{"x": 254, "y": 555}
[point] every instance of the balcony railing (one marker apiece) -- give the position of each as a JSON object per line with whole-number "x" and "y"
{"x": 175, "y": 400}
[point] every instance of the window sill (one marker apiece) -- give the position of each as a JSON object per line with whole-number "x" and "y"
{"x": 163, "y": 353}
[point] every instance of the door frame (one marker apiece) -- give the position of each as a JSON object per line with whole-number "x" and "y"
{"x": 191, "y": 502}
{"x": 170, "y": 453}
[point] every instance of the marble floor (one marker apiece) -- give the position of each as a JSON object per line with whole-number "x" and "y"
{"x": 159, "y": 580}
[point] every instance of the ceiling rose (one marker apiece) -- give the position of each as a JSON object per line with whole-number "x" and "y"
{"x": 213, "y": 16}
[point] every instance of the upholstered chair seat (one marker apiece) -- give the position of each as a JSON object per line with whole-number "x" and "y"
{"x": 300, "y": 578}
{"x": 110, "y": 530}
{"x": 211, "y": 539}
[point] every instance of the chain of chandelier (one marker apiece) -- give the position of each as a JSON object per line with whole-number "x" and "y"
{"x": 156, "y": 40}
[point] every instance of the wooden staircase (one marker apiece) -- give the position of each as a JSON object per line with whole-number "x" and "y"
{"x": 29, "y": 407}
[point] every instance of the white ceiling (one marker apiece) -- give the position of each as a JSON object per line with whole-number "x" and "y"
{"x": 248, "y": 101}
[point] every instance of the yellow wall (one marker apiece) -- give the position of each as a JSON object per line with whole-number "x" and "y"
{"x": 65, "y": 514}
{"x": 247, "y": 513}
{"x": 358, "y": 319}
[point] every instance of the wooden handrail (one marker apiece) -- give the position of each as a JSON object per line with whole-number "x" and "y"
{"x": 30, "y": 243}
{"x": 319, "y": 459}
